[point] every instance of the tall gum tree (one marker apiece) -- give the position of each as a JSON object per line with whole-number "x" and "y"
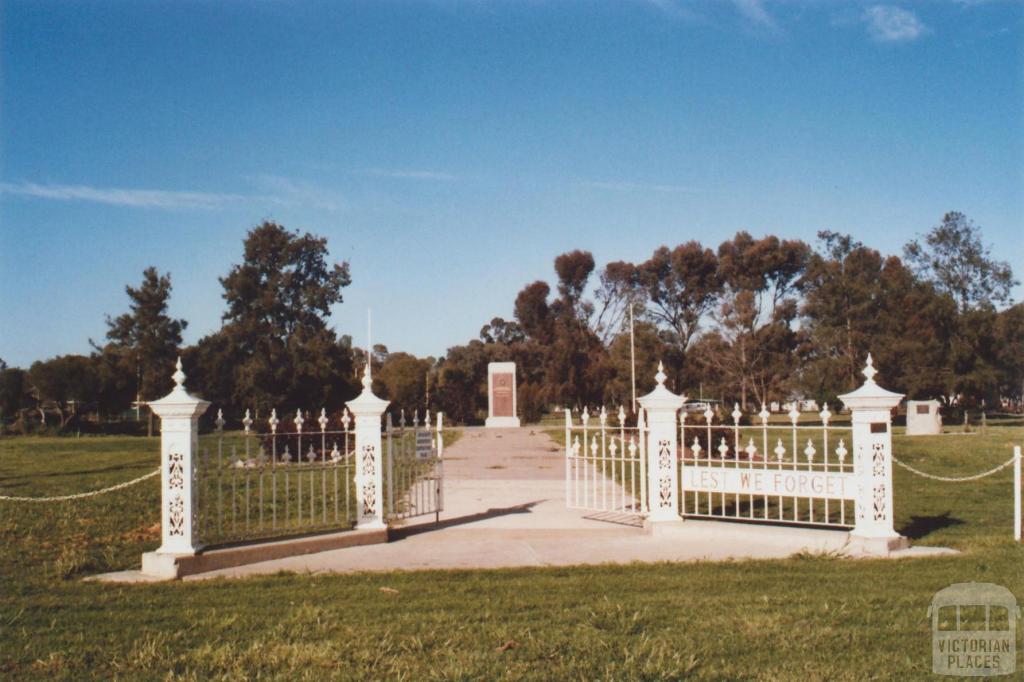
{"x": 145, "y": 341}
{"x": 275, "y": 348}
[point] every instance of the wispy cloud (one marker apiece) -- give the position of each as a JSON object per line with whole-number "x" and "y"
{"x": 291, "y": 191}
{"x": 274, "y": 190}
{"x": 754, "y": 12}
{"x": 673, "y": 8}
{"x": 402, "y": 174}
{"x": 889, "y": 24}
{"x": 619, "y": 186}
{"x": 116, "y": 196}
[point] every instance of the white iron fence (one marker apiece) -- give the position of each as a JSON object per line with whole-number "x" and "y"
{"x": 275, "y": 477}
{"x": 674, "y": 464}
{"x": 279, "y": 477}
{"x": 414, "y": 470}
{"x": 606, "y": 464}
{"x": 753, "y": 470}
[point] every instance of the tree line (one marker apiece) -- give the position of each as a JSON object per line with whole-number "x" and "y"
{"x": 752, "y": 320}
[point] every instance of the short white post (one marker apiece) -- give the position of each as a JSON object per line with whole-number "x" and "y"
{"x": 179, "y": 415}
{"x": 568, "y": 454}
{"x": 367, "y": 409}
{"x": 871, "y": 408}
{"x": 1016, "y": 494}
{"x": 440, "y": 460}
{"x": 661, "y": 406}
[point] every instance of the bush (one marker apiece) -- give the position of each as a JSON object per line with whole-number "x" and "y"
{"x": 531, "y": 403}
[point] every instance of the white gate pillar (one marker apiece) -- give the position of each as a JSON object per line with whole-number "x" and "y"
{"x": 661, "y": 406}
{"x": 368, "y": 409}
{"x": 871, "y": 408}
{"x": 179, "y": 415}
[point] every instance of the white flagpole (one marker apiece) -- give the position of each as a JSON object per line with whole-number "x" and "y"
{"x": 369, "y": 343}
{"x": 632, "y": 356}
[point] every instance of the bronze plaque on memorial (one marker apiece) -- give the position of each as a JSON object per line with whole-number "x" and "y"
{"x": 501, "y": 394}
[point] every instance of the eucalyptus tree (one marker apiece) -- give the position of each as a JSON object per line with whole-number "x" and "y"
{"x": 142, "y": 344}
{"x": 681, "y": 286}
{"x": 953, "y": 257}
{"x": 856, "y": 300}
{"x": 751, "y": 348}
{"x": 275, "y": 348}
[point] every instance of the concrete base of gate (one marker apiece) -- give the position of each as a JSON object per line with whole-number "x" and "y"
{"x": 158, "y": 566}
{"x": 505, "y": 541}
{"x": 878, "y": 546}
{"x": 663, "y": 528}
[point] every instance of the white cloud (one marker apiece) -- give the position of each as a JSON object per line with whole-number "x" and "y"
{"x": 400, "y": 174}
{"x": 754, "y": 11}
{"x": 673, "y": 9}
{"x": 276, "y": 190}
{"x": 114, "y": 196}
{"x": 888, "y": 24}
{"x": 618, "y": 186}
{"x": 299, "y": 192}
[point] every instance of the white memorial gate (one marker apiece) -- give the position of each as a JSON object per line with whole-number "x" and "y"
{"x": 668, "y": 465}
{"x": 288, "y": 477}
{"x": 304, "y": 478}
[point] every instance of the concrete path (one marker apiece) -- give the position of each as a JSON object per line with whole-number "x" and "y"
{"x": 505, "y": 506}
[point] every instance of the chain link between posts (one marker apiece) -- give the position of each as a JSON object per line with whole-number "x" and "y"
{"x": 78, "y": 496}
{"x": 953, "y": 479}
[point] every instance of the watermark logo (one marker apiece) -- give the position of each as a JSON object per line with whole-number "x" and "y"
{"x": 974, "y": 630}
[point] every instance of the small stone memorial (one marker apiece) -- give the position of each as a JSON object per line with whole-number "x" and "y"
{"x": 923, "y": 418}
{"x": 501, "y": 395}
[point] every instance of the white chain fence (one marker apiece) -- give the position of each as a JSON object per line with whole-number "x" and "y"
{"x": 955, "y": 479}
{"x": 78, "y": 496}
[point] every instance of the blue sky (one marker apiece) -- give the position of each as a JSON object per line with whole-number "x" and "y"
{"x": 450, "y": 150}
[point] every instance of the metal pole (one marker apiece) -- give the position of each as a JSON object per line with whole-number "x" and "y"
{"x": 632, "y": 356}
{"x": 1016, "y": 494}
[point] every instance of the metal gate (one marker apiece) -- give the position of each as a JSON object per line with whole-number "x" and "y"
{"x": 606, "y": 465}
{"x": 749, "y": 471}
{"x": 414, "y": 467}
{"x": 753, "y": 470}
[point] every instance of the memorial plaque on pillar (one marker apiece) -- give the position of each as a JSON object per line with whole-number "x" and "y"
{"x": 501, "y": 389}
{"x": 501, "y": 395}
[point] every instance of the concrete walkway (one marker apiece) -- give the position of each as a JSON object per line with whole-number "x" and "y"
{"x": 505, "y": 506}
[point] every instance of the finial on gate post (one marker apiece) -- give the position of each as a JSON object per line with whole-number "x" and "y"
{"x": 367, "y": 380}
{"x": 660, "y": 376}
{"x": 179, "y": 375}
{"x": 869, "y": 370}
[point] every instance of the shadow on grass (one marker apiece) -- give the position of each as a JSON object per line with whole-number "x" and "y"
{"x": 921, "y": 526}
{"x": 404, "y": 532}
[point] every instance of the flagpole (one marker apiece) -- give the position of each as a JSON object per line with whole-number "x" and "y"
{"x": 632, "y": 356}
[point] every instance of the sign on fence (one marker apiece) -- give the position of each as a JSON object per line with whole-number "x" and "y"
{"x": 424, "y": 444}
{"x": 711, "y": 479}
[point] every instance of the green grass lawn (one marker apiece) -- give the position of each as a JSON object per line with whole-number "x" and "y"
{"x": 807, "y": 617}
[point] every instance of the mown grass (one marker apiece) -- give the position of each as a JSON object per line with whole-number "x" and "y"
{"x": 813, "y": 617}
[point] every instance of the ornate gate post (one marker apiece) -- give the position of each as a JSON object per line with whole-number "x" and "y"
{"x": 179, "y": 415}
{"x": 367, "y": 409}
{"x": 662, "y": 405}
{"x": 871, "y": 407}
